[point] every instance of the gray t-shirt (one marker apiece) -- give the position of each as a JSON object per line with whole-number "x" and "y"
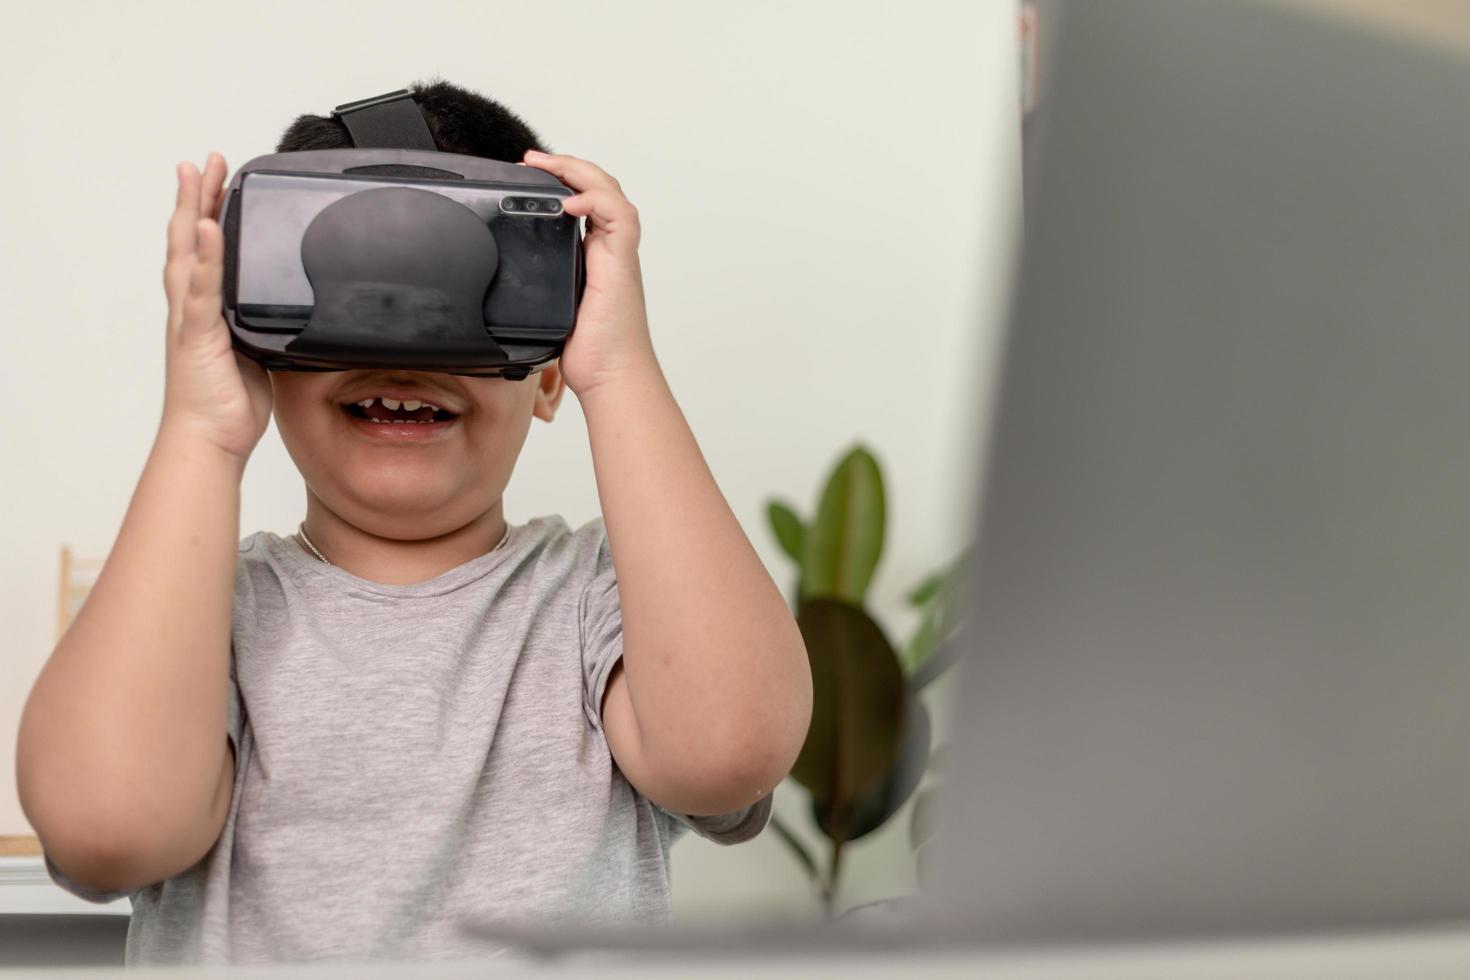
{"x": 414, "y": 758}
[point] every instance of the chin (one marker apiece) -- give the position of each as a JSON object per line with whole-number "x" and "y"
{"x": 397, "y": 503}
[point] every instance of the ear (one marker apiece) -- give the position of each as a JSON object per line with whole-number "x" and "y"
{"x": 550, "y": 386}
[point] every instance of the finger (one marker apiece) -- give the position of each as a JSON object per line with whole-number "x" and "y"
{"x": 202, "y": 304}
{"x": 214, "y": 178}
{"x": 182, "y": 238}
{"x": 609, "y": 212}
{"x": 578, "y": 174}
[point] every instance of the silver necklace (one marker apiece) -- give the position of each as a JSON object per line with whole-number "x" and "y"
{"x": 301, "y": 533}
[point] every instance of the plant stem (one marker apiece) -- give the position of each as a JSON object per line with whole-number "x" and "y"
{"x": 802, "y": 855}
{"x": 837, "y": 830}
{"x": 836, "y": 866}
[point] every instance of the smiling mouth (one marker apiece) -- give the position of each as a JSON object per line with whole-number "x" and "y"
{"x": 391, "y": 411}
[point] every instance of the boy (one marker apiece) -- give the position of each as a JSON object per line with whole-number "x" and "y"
{"x": 410, "y": 715}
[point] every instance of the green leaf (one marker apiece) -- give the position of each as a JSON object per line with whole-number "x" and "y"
{"x": 845, "y": 539}
{"x": 790, "y": 532}
{"x": 871, "y": 810}
{"x": 939, "y": 616}
{"x": 942, "y": 659}
{"x": 926, "y": 639}
{"x": 858, "y": 702}
{"x": 949, "y": 607}
{"x": 928, "y": 589}
{"x": 941, "y": 582}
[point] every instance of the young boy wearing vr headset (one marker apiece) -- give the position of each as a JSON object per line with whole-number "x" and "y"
{"x": 412, "y": 716}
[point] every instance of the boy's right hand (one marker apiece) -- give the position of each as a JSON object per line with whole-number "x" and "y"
{"x": 210, "y": 391}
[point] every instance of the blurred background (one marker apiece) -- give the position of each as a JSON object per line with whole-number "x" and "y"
{"x": 830, "y": 200}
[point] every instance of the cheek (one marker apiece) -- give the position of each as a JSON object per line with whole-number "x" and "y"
{"x": 293, "y": 395}
{"x": 495, "y": 440}
{"x": 312, "y": 434}
{"x": 300, "y": 419}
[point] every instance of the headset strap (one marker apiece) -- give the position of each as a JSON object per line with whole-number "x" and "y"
{"x": 392, "y": 120}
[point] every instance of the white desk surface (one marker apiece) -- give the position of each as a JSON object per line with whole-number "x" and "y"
{"x": 1440, "y": 954}
{"x": 26, "y": 888}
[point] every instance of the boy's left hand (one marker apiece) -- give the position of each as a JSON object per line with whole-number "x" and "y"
{"x": 610, "y": 339}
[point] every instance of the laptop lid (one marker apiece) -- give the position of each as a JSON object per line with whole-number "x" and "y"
{"x": 1220, "y": 667}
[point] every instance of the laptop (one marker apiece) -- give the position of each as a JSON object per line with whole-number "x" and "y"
{"x": 1217, "y": 674}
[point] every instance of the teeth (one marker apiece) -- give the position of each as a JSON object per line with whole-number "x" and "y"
{"x": 393, "y": 404}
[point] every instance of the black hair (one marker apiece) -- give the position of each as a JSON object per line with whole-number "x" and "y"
{"x": 461, "y": 121}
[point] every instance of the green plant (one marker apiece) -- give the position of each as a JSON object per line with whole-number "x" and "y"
{"x": 870, "y": 736}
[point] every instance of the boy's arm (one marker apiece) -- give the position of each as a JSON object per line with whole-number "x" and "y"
{"x": 123, "y": 766}
{"x": 122, "y": 763}
{"x": 712, "y": 700}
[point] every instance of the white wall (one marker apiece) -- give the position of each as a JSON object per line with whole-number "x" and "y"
{"x": 865, "y": 312}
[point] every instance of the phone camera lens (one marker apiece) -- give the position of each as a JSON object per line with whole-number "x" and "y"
{"x": 531, "y": 204}
{"x": 508, "y": 203}
{"x": 554, "y": 206}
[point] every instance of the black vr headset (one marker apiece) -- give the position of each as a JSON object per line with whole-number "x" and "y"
{"x": 394, "y": 254}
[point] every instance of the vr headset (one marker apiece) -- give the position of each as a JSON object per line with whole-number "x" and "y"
{"x": 394, "y": 254}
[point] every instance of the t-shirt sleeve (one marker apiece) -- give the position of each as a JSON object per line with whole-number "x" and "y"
{"x": 242, "y": 623}
{"x": 734, "y": 827}
{"x": 601, "y": 620}
{"x": 235, "y": 713}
